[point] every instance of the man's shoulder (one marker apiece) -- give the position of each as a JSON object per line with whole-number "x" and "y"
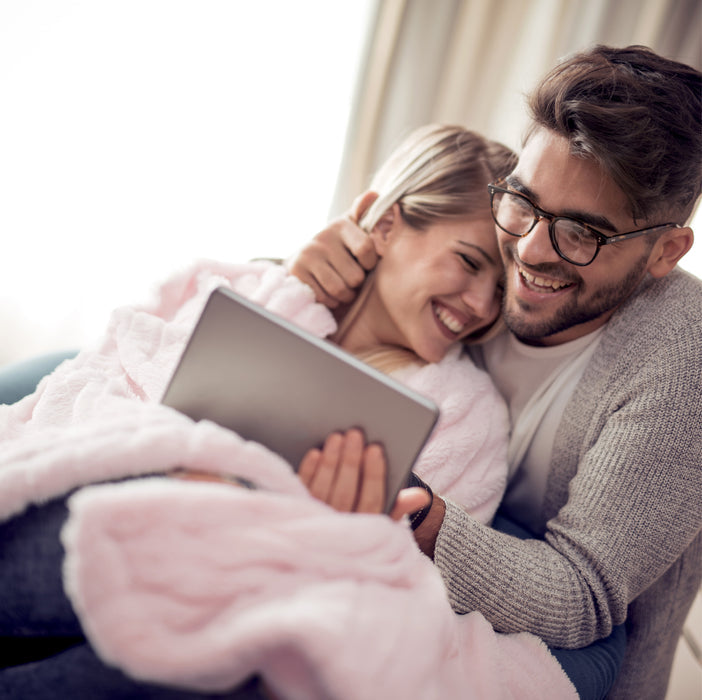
{"x": 670, "y": 299}
{"x": 661, "y": 309}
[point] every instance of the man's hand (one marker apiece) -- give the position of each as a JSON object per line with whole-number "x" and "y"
{"x": 350, "y": 476}
{"x": 335, "y": 262}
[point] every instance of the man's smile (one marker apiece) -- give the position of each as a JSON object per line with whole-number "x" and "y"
{"x": 541, "y": 284}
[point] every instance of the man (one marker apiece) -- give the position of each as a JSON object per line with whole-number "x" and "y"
{"x": 601, "y": 365}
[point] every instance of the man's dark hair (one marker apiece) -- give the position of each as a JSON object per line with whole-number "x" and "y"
{"x": 639, "y": 115}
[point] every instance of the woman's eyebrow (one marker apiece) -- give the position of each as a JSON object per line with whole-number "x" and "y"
{"x": 594, "y": 220}
{"x": 480, "y": 250}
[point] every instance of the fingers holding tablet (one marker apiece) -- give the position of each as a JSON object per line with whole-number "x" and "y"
{"x": 346, "y": 473}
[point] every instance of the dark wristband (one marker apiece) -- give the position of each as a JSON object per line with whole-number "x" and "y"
{"x": 417, "y": 518}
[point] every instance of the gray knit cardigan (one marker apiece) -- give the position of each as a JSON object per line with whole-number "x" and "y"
{"x": 623, "y": 506}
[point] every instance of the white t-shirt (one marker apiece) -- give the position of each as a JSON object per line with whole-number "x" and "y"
{"x": 537, "y": 383}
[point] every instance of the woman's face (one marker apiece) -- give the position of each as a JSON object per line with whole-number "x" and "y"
{"x": 436, "y": 286}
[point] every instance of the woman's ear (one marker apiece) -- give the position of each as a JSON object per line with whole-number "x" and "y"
{"x": 385, "y": 228}
{"x": 668, "y": 249}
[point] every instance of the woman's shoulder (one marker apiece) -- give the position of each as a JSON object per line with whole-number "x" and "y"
{"x": 456, "y": 375}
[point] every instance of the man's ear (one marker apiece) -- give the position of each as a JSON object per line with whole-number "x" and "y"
{"x": 385, "y": 227}
{"x": 668, "y": 249}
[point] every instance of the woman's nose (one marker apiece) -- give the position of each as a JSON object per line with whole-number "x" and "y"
{"x": 482, "y": 298}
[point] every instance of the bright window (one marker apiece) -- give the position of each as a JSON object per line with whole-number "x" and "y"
{"x": 136, "y": 136}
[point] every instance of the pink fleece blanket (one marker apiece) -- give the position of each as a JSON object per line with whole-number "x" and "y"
{"x": 198, "y": 585}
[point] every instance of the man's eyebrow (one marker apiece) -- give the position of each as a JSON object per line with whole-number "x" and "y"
{"x": 480, "y": 250}
{"x": 595, "y": 220}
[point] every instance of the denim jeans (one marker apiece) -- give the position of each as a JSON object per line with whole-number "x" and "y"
{"x": 21, "y": 378}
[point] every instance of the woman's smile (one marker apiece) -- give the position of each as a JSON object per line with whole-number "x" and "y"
{"x": 448, "y": 320}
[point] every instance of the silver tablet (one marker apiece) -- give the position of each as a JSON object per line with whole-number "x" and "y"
{"x": 270, "y": 381}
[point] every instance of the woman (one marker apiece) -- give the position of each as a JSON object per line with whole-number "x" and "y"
{"x": 198, "y": 585}
{"x": 428, "y": 217}
{"x": 438, "y": 282}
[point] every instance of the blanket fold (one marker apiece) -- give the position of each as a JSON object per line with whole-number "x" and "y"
{"x": 198, "y": 585}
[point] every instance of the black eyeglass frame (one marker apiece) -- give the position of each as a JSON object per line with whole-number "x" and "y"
{"x": 539, "y": 214}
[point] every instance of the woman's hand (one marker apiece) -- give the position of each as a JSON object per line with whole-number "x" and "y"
{"x": 349, "y": 475}
{"x": 334, "y": 263}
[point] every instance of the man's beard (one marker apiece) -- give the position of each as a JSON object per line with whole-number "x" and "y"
{"x": 572, "y": 313}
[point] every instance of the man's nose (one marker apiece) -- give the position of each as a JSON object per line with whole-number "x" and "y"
{"x": 536, "y": 247}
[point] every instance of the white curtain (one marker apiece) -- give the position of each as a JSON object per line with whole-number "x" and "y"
{"x": 470, "y": 62}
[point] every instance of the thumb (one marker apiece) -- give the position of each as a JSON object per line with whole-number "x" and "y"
{"x": 409, "y": 501}
{"x": 361, "y": 204}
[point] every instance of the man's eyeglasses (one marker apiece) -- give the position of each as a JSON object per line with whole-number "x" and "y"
{"x": 576, "y": 242}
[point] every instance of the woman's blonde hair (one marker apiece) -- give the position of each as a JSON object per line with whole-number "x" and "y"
{"x": 438, "y": 172}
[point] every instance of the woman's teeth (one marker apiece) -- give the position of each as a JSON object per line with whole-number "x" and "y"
{"x": 541, "y": 282}
{"x": 448, "y": 319}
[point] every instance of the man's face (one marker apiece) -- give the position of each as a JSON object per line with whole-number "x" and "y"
{"x": 548, "y": 300}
